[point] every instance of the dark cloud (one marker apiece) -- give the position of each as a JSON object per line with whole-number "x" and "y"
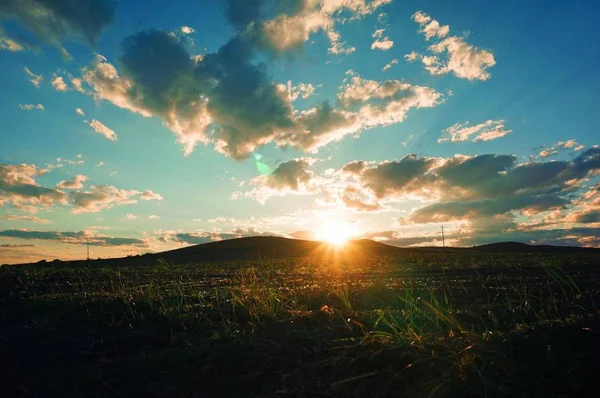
{"x": 291, "y": 177}
{"x": 192, "y": 238}
{"x": 75, "y": 238}
{"x": 588, "y": 217}
{"x": 290, "y": 174}
{"x": 13, "y": 245}
{"x": 391, "y": 177}
{"x": 157, "y": 86}
{"x": 221, "y": 92}
{"x": 242, "y": 12}
{"x": 499, "y": 175}
{"x": 486, "y": 191}
{"x": 460, "y": 210}
{"x": 53, "y": 21}
{"x": 245, "y": 105}
{"x": 588, "y": 160}
{"x": 473, "y": 177}
{"x": 249, "y": 111}
{"x": 481, "y": 170}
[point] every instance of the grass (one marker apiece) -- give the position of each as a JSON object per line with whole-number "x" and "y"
{"x": 450, "y": 324}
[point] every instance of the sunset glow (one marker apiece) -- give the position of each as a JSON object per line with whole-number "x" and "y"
{"x": 336, "y": 232}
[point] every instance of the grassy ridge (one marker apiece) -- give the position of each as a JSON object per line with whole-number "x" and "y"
{"x": 478, "y": 324}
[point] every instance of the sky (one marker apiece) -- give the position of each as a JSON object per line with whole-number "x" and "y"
{"x": 141, "y": 126}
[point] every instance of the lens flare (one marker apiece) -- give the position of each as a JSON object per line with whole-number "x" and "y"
{"x": 263, "y": 168}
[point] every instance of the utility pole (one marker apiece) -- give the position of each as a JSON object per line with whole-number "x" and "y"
{"x": 88, "y": 250}
{"x": 443, "y": 239}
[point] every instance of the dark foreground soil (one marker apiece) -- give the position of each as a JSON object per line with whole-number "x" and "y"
{"x": 488, "y": 326}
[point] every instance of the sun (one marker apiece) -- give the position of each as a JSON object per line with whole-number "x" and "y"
{"x": 336, "y": 232}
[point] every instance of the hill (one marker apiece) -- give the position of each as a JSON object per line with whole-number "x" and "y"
{"x": 254, "y": 248}
{"x": 518, "y": 247}
{"x": 270, "y": 247}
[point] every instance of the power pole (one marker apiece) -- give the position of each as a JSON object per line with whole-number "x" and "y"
{"x": 443, "y": 239}
{"x": 88, "y": 250}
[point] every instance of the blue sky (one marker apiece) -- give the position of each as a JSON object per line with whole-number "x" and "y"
{"x": 144, "y": 126}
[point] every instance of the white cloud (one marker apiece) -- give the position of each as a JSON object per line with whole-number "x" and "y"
{"x": 486, "y": 131}
{"x": 187, "y": 30}
{"x": 413, "y": 56}
{"x": 102, "y": 129}
{"x": 430, "y": 27}
{"x": 100, "y": 197}
{"x": 389, "y": 65}
{"x": 385, "y": 102}
{"x": 336, "y": 45}
{"x": 29, "y": 107}
{"x": 100, "y": 164}
{"x": 378, "y": 34}
{"x": 301, "y": 90}
{"x": 290, "y": 31}
{"x": 80, "y": 112}
{"x": 18, "y": 187}
{"x": 108, "y": 85}
{"x": 561, "y": 145}
{"x": 381, "y": 43}
{"x": 548, "y": 152}
{"x": 364, "y": 104}
{"x": 286, "y": 32}
{"x": 35, "y": 79}
{"x": 459, "y": 57}
{"x": 78, "y": 84}
{"x": 33, "y": 219}
{"x": 71, "y": 162}
{"x": 75, "y": 183}
{"x": 153, "y": 217}
{"x": 130, "y": 216}
{"x": 59, "y": 83}
{"x": 9, "y": 44}
{"x": 149, "y": 195}
{"x": 464, "y": 60}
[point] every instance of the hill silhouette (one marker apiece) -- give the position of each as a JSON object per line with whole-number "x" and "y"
{"x": 271, "y": 247}
{"x": 257, "y": 247}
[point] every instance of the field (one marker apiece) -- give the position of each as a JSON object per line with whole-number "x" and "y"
{"x": 420, "y": 324}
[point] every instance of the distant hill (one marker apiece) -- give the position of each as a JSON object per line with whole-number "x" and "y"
{"x": 518, "y": 247}
{"x": 270, "y": 247}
